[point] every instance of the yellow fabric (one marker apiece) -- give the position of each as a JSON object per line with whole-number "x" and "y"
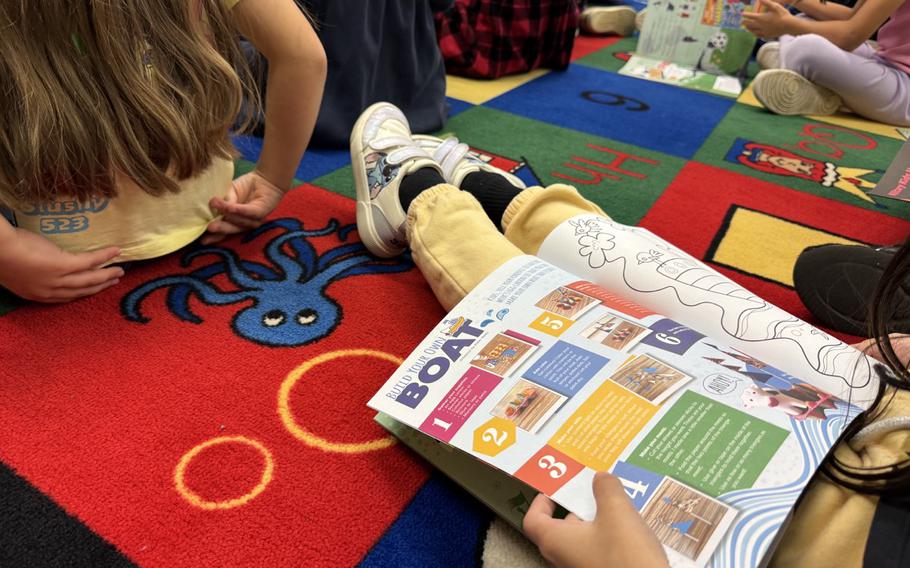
{"x": 142, "y": 225}
{"x": 536, "y": 211}
{"x": 453, "y": 266}
{"x": 831, "y": 524}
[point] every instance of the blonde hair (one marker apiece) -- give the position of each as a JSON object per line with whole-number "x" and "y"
{"x": 94, "y": 89}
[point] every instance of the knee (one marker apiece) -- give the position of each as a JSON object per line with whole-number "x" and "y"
{"x": 807, "y": 53}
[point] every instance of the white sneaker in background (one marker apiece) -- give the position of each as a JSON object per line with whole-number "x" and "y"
{"x": 601, "y": 20}
{"x": 786, "y": 92}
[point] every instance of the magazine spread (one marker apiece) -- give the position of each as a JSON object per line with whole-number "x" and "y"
{"x": 699, "y": 44}
{"x": 713, "y": 407}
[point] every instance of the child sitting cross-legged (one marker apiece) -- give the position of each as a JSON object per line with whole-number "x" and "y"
{"x": 823, "y": 60}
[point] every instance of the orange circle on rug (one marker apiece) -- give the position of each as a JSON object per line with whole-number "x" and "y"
{"x": 311, "y": 439}
{"x": 210, "y": 505}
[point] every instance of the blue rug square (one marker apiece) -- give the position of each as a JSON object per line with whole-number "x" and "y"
{"x": 644, "y": 113}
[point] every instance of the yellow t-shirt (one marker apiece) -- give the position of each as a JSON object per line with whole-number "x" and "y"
{"x": 142, "y": 225}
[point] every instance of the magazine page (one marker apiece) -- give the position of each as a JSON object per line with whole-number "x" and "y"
{"x": 550, "y": 379}
{"x": 635, "y": 263}
{"x": 665, "y": 71}
{"x": 896, "y": 181}
{"x": 699, "y": 44}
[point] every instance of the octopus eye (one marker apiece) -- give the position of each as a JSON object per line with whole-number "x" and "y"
{"x": 273, "y": 318}
{"x": 306, "y": 316}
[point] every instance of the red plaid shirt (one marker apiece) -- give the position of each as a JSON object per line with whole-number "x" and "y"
{"x": 492, "y": 38}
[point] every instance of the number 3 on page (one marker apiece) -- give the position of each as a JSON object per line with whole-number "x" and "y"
{"x": 548, "y": 470}
{"x": 556, "y": 468}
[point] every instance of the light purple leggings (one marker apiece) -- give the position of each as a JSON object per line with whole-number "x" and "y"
{"x": 869, "y": 86}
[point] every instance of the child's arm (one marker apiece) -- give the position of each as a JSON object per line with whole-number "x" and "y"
{"x": 775, "y": 21}
{"x": 617, "y": 537}
{"x": 821, "y": 10}
{"x": 296, "y": 76}
{"x": 34, "y": 268}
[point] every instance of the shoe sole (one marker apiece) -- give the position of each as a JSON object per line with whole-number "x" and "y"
{"x": 788, "y": 93}
{"x": 619, "y": 20}
{"x": 766, "y": 52}
{"x": 365, "y": 226}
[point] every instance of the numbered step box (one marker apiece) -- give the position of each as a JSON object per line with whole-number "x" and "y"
{"x": 548, "y": 470}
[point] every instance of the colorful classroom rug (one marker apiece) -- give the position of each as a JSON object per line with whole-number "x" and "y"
{"x": 210, "y": 410}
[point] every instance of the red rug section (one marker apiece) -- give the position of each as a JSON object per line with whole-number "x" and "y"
{"x": 692, "y": 210}
{"x": 97, "y": 412}
{"x": 586, "y": 45}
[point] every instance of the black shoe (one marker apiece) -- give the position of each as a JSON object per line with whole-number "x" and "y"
{"x": 837, "y": 284}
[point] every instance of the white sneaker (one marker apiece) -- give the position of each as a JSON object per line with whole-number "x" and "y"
{"x": 600, "y": 20}
{"x": 458, "y": 160}
{"x": 382, "y": 154}
{"x": 768, "y": 56}
{"x": 786, "y": 92}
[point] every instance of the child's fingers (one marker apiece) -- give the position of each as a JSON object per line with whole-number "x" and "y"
{"x": 245, "y": 223}
{"x": 92, "y": 290}
{"x": 223, "y": 227}
{"x": 212, "y": 238}
{"x": 88, "y": 260}
{"x": 61, "y": 295}
{"x": 251, "y": 210}
{"x": 90, "y": 278}
{"x": 610, "y": 497}
{"x": 538, "y": 518}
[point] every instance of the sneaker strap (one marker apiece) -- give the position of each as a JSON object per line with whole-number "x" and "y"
{"x": 449, "y": 154}
{"x": 405, "y": 148}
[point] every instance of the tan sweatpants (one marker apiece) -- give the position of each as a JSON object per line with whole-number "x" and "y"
{"x": 455, "y": 244}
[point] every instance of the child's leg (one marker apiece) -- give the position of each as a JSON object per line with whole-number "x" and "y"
{"x": 868, "y": 86}
{"x": 453, "y": 242}
{"x": 536, "y": 211}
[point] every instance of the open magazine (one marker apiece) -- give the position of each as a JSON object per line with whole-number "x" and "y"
{"x": 699, "y": 44}
{"x": 614, "y": 351}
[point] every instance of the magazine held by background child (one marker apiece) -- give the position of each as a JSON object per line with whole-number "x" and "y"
{"x": 699, "y": 44}
{"x": 614, "y": 351}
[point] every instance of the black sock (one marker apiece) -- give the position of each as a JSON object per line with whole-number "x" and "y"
{"x": 416, "y": 182}
{"x": 493, "y": 191}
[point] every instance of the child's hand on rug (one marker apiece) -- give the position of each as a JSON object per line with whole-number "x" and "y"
{"x": 245, "y": 207}
{"x": 770, "y": 21}
{"x": 617, "y": 537}
{"x": 34, "y": 268}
